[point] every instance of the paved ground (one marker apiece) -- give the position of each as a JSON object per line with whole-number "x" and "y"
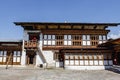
{"x": 57, "y": 74}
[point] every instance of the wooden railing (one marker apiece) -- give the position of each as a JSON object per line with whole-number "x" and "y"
{"x": 31, "y": 44}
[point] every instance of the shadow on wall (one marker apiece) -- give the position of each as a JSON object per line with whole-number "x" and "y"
{"x": 113, "y": 69}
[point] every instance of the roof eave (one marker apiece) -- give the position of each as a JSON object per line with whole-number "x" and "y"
{"x": 67, "y": 23}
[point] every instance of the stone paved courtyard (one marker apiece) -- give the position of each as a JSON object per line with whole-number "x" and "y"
{"x": 57, "y": 74}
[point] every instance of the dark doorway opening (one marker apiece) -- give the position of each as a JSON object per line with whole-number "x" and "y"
{"x": 30, "y": 57}
{"x": 118, "y": 57}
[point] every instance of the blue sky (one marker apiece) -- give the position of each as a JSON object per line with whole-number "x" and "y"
{"x": 56, "y": 11}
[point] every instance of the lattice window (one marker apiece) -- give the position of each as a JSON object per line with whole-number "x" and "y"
{"x": 86, "y": 40}
{"x": 76, "y": 40}
{"x": 94, "y": 40}
{"x": 59, "y": 40}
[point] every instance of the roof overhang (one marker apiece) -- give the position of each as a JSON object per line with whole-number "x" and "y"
{"x": 66, "y": 25}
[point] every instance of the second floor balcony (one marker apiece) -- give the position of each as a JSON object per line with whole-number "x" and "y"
{"x": 31, "y": 44}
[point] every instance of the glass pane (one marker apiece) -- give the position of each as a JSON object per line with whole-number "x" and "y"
{"x": 65, "y": 36}
{"x": 18, "y": 54}
{"x": 100, "y": 37}
{"x": 85, "y": 56}
{"x": 1, "y": 53}
{"x": 84, "y": 43}
{"x": 100, "y": 42}
{"x": 69, "y": 37}
{"x": 71, "y": 57}
{"x": 53, "y": 42}
{"x": 65, "y": 42}
{"x": 14, "y": 54}
{"x": 5, "y": 53}
{"x": 66, "y": 57}
{"x": 53, "y": 36}
{"x": 90, "y": 56}
{"x": 14, "y": 59}
{"x": 76, "y": 56}
{"x": 84, "y": 37}
{"x": 104, "y": 37}
{"x": 45, "y": 36}
{"x": 95, "y": 56}
{"x": 100, "y": 56}
{"x": 49, "y": 36}
{"x": 88, "y": 42}
{"x": 45, "y": 42}
{"x": 18, "y": 59}
{"x": 69, "y": 42}
{"x": 104, "y": 41}
{"x": 49, "y": 42}
{"x": 88, "y": 37}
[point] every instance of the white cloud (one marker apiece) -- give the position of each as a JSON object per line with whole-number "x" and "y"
{"x": 114, "y": 36}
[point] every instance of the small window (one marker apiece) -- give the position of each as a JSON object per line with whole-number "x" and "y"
{"x": 84, "y": 37}
{"x": 95, "y": 56}
{"x": 49, "y": 36}
{"x": 100, "y": 42}
{"x": 84, "y": 43}
{"x": 85, "y": 56}
{"x": 53, "y": 42}
{"x": 5, "y": 53}
{"x": 45, "y": 36}
{"x": 100, "y": 37}
{"x": 88, "y": 37}
{"x": 18, "y": 53}
{"x": 53, "y": 36}
{"x": 45, "y": 42}
{"x": 65, "y": 37}
{"x": 49, "y": 42}
{"x": 1, "y": 53}
{"x": 66, "y": 57}
{"x": 88, "y": 42}
{"x": 90, "y": 56}
{"x": 69, "y": 37}
{"x": 69, "y": 42}
{"x": 104, "y": 37}
{"x": 71, "y": 57}
{"x": 81, "y": 56}
{"x": 14, "y": 53}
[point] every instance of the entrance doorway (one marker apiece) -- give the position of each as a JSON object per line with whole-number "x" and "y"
{"x": 59, "y": 58}
{"x": 30, "y": 60}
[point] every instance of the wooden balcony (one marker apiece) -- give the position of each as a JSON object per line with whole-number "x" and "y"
{"x": 31, "y": 44}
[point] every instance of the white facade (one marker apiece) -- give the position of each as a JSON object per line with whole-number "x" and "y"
{"x": 73, "y": 62}
{"x": 46, "y": 57}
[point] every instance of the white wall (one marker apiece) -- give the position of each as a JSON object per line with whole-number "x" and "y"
{"x": 48, "y": 55}
{"x": 87, "y": 67}
{"x": 86, "y": 64}
{"x": 23, "y": 58}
